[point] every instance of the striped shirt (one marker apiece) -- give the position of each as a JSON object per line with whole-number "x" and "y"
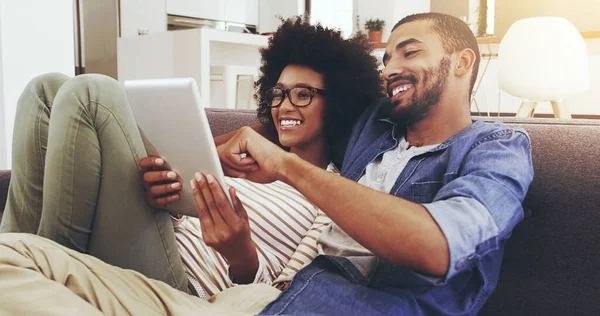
{"x": 285, "y": 227}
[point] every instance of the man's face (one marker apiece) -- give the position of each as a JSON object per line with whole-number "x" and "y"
{"x": 416, "y": 72}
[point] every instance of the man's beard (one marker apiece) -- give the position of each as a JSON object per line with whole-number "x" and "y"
{"x": 418, "y": 107}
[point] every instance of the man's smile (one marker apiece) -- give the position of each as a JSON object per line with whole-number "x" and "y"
{"x": 397, "y": 89}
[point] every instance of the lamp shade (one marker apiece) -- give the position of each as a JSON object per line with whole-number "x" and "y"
{"x": 543, "y": 59}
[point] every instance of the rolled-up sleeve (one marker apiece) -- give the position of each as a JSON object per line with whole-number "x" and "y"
{"x": 482, "y": 203}
{"x": 263, "y": 274}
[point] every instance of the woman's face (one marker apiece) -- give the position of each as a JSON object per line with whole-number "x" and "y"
{"x": 299, "y": 126}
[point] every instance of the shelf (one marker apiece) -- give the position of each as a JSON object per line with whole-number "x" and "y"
{"x": 379, "y": 45}
{"x": 235, "y": 37}
{"x": 489, "y": 40}
{"x": 480, "y": 40}
{"x": 188, "y": 53}
{"x": 496, "y": 39}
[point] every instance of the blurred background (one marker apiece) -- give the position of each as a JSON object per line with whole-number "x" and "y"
{"x": 217, "y": 41}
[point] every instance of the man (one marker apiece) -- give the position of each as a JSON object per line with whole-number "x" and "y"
{"x": 434, "y": 244}
{"x": 423, "y": 232}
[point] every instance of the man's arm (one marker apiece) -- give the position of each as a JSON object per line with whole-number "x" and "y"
{"x": 482, "y": 204}
{"x": 241, "y": 167}
{"x": 469, "y": 215}
{"x": 398, "y": 230}
{"x": 406, "y": 233}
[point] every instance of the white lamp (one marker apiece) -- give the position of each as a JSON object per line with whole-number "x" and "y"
{"x": 543, "y": 59}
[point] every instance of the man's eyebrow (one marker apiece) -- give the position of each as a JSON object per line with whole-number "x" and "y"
{"x": 401, "y": 45}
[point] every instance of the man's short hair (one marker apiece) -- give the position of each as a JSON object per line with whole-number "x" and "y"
{"x": 454, "y": 34}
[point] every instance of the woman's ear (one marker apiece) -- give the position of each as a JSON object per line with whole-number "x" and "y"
{"x": 465, "y": 61}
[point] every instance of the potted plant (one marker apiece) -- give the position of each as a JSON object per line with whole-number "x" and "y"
{"x": 375, "y": 28}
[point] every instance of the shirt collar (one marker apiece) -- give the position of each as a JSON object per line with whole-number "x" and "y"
{"x": 445, "y": 144}
{"x": 387, "y": 120}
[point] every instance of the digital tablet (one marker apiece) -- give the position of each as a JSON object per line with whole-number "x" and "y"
{"x": 173, "y": 124}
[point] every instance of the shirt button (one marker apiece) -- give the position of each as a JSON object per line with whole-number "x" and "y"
{"x": 382, "y": 146}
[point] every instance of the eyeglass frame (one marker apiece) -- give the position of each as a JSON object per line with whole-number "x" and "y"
{"x": 286, "y": 93}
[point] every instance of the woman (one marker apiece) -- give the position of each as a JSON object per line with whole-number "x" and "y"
{"x": 76, "y": 173}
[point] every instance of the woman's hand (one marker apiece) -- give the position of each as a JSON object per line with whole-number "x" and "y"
{"x": 161, "y": 185}
{"x": 226, "y": 228}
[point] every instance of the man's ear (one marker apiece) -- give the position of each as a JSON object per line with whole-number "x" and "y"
{"x": 465, "y": 60}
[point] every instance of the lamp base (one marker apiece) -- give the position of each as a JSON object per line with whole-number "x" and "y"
{"x": 527, "y": 109}
{"x": 560, "y": 110}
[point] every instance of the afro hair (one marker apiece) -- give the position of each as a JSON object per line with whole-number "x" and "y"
{"x": 352, "y": 81}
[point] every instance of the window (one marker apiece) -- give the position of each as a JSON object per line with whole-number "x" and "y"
{"x": 334, "y": 14}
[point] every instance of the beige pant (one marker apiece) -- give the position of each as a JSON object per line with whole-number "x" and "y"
{"x": 38, "y": 276}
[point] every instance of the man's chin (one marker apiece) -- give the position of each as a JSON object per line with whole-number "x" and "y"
{"x": 396, "y": 103}
{"x": 401, "y": 112}
{"x": 391, "y": 107}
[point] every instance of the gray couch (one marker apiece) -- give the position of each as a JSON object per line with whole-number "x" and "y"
{"x": 552, "y": 262}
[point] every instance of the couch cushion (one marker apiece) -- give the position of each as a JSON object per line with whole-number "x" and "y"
{"x": 551, "y": 262}
{"x": 223, "y": 121}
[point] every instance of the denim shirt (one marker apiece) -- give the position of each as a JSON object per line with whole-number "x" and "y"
{"x": 473, "y": 185}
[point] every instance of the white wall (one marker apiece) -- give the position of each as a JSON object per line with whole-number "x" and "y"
{"x": 404, "y": 8}
{"x": 143, "y": 14}
{"x": 584, "y": 14}
{"x": 269, "y": 9}
{"x": 3, "y": 127}
{"x": 36, "y": 36}
{"x": 457, "y": 8}
{"x": 334, "y": 14}
{"x": 391, "y": 11}
{"x": 467, "y": 10}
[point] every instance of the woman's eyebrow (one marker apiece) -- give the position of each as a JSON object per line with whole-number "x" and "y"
{"x": 302, "y": 84}
{"x": 297, "y": 84}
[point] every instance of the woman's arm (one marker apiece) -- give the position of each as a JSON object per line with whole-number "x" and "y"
{"x": 225, "y": 228}
{"x": 307, "y": 250}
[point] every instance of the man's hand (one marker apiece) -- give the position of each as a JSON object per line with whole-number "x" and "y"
{"x": 225, "y": 228}
{"x": 161, "y": 185}
{"x": 249, "y": 155}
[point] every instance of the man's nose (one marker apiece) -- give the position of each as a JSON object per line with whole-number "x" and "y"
{"x": 391, "y": 71}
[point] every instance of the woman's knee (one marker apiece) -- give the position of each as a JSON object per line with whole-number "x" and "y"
{"x": 46, "y": 86}
{"x": 92, "y": 88}
{"x": 49, "y": 79}
{"x": 94, "y": 83}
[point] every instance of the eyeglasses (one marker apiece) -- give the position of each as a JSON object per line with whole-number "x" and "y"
{"x": 298, "y": 96}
